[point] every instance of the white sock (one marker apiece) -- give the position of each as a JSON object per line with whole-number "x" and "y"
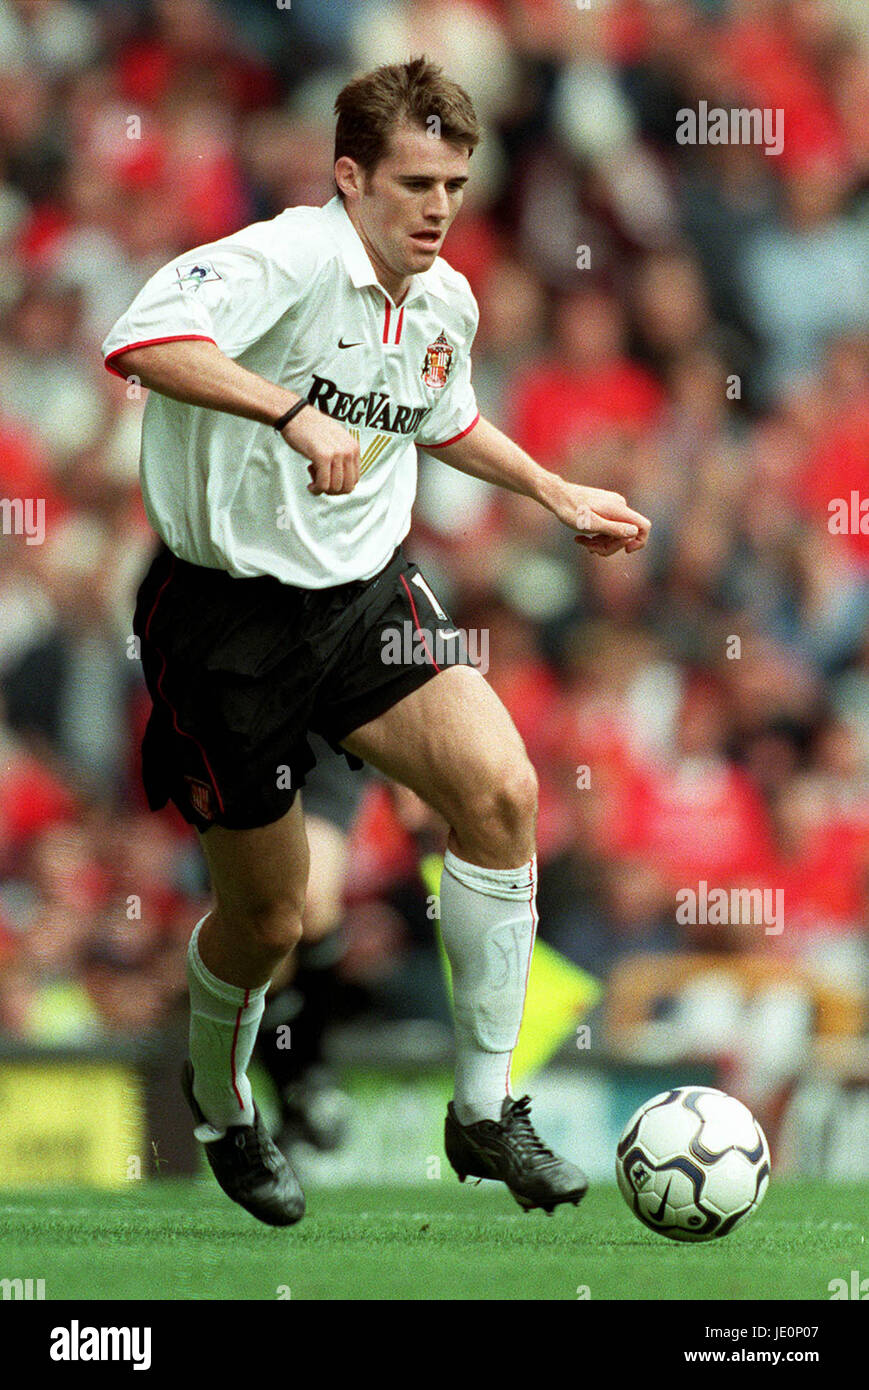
{"x": 224, "y": 1020}
{"x": 488, "y": 924}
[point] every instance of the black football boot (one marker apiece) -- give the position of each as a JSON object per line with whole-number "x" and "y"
{"x": 249, "y": 1167}
{"x": 510, "y": 1151}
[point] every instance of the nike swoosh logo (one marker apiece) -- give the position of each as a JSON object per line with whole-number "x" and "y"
{"x": 659, "y": 1214}
{"x": 342, "y": 344}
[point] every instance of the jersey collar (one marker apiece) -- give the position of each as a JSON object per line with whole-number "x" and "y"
{"x": 359, "y": 267}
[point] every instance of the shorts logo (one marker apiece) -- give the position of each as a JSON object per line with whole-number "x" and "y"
{"x": 438, "y": 360}
{"x": 196, "y": 273}
{"x": 200, "y": 798}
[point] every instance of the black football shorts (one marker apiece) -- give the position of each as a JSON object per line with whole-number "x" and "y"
{"x": 240, "y": 671}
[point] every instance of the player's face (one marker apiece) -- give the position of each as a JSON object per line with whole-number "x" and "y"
{"x": 404, "y": 207}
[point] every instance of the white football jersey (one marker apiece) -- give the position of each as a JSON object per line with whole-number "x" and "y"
{"x": 296, "y": 300}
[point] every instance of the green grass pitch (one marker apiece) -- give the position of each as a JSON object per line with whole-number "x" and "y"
{"x": 181, "y": 1239}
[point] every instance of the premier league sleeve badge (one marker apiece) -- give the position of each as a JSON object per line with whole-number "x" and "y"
{"x": 196, "y": 273}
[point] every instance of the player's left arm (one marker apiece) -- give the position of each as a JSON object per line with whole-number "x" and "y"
{"x": 603, "y": 521}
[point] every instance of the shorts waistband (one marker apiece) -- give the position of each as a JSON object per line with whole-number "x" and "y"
{"x": 352, "y": 586}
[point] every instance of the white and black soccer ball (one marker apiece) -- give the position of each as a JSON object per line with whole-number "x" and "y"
{"x": 693, "y": 1163}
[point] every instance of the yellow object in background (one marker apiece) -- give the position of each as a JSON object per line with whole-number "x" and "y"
{"x": 559, "y": 995}
{"x": 69, "y": 1122}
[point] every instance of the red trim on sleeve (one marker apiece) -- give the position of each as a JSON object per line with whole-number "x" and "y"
{"x": 150, "y": 342}
{"x": 455, "y": 438}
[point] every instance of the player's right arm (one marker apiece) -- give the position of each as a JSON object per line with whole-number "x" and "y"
{"x": 196, "y": 372}
{"x": 185, "y": 330}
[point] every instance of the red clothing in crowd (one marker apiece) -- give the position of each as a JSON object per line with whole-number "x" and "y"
{"x": 839, "y": 467}
{"x": 695, "y": 820}
{"x": 25, "y": 472}
{"x": 557, "y": 409}
{"x": 769, "y": 67}
{"x": 823, "y": 883}
{"x": 31, "y": 798}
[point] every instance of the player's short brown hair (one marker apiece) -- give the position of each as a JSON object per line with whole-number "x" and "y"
{"x": 369, "y": 107}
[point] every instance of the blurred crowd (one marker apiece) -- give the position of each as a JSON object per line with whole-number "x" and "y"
{"x": 688, "y": 325}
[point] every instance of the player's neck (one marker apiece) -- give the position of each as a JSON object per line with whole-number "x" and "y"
{"x": 396, "y": 286}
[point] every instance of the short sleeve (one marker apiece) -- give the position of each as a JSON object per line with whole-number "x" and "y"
{"x": 456, "y": 411}
{"x": 230, "y": 293}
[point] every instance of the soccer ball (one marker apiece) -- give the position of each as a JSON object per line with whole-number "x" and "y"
{"x": 693, "y": 1163}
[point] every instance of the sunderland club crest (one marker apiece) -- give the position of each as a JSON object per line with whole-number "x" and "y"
{"x": 438, "y": 360}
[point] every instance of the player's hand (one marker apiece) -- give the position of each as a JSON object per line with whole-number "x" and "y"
{"x": 604, "y": 522}
{"x": 334, "y": 453}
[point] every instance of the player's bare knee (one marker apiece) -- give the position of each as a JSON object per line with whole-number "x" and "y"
{"x": 499, "y": 812}
{"x": 273, "y": 926}
{"x": 516, "y": 799}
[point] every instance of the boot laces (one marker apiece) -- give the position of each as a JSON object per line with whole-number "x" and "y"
{"x": 523, "y": 1133}
{"x": 252, "y": 1155}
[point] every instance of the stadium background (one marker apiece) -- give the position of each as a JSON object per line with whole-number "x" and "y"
{"x": 688, "y": 325}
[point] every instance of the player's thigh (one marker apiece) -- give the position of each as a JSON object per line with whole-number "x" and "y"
{"x": 262, "y": 870}
{"x": 453, "y": 743}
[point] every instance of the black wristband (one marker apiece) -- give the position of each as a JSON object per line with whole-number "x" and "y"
{"x": 291, "y": 414}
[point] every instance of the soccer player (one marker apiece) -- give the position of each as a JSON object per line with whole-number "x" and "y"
{"x": 294, "y": 368}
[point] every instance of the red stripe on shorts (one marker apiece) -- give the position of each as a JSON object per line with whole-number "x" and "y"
{"x": 417, "y": 622}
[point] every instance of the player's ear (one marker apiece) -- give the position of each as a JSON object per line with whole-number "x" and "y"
{"x": 348, "y": 177}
